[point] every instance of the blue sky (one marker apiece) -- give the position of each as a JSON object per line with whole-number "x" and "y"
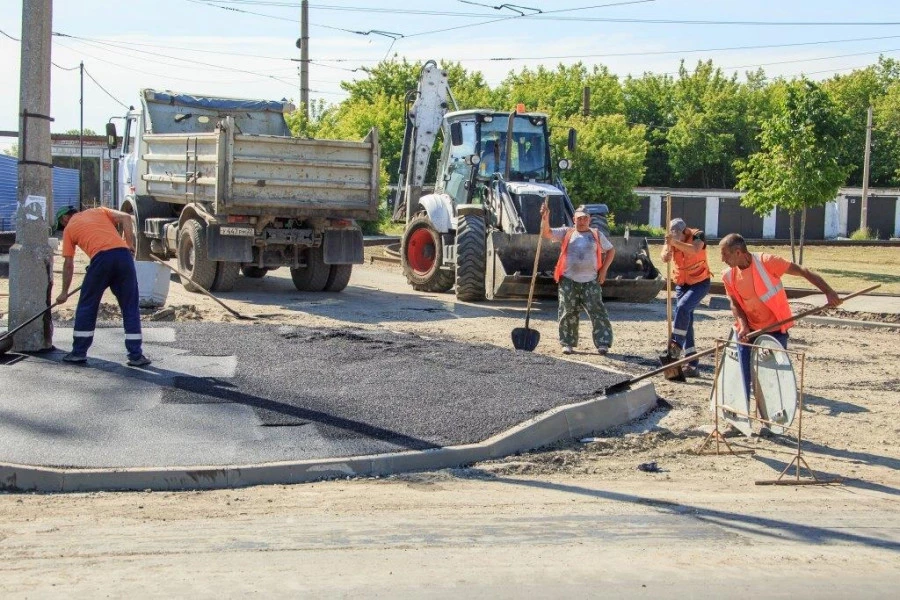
{"x": 243, "y": 48}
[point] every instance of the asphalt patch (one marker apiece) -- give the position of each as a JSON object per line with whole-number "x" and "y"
{"x": 409, "y": 391}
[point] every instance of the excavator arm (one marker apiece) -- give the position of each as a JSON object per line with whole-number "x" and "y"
{"x": 425, "y": 110}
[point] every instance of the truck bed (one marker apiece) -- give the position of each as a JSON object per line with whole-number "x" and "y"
{"x": 249, "y": 174}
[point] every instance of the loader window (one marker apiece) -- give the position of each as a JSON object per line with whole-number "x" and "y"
{"x": 457, "y": 171}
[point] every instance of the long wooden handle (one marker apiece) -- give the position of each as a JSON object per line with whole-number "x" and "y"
{"x": 537, "y": 258}
{"x": 37, "y": 316}
{"x": 752, "y": 334}
{"x": 668, "y": 277}
{"x": 206, "y": 293}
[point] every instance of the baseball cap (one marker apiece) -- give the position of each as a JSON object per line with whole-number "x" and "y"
{"x": 581, "y": 212}
{"x": 65, "y": 210}
{"x": 677, "y": 225}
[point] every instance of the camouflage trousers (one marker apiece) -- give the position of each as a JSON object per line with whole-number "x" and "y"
{"x": 573, "y": 297}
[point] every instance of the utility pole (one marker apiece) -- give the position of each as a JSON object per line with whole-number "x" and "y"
{"x": 30, "y": 258}
{"x": 586, "y": 101}
{"x": 304, "y": 56}
{"x": 81, "y": 141}
{"x": 864, "y": 207}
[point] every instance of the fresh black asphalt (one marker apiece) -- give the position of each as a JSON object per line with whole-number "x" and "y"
{"x": 221, "y": 393}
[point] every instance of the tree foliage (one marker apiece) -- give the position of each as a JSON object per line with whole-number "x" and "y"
{"x": 797, "y": 166}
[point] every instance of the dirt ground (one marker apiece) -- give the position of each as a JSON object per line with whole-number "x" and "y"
{"x": 852, "y": 399}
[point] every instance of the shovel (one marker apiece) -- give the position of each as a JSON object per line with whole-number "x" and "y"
{"x": 6, "y": 342}
{"x": 219, "y": 302}
{"x": 524, "y": 338}
{"x": 672, "y": 372}
{"x": 618, "y": 387}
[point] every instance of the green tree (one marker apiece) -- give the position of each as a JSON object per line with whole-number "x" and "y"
{"x": 797, "y": 166}
{"x": 702, "y": 144}
{"x": 609, "y": 160}
{"x": 87, "y": 131}
{"x": 886, "y": 132}
{"x": 649, "y": 100}
{"x": 559, "y": 92}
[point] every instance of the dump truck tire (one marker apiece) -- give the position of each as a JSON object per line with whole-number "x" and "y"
{"x": 226, "y": 274}
{"x": 192, "y": 257}
{"x": 421, "y": 255}
{"x": 142, "y": 208}
{"x": 471, "y": 256}
{"x": 314, "y": 276}
{"x": 338, "y": 278}
{"x": 254, "y": 272}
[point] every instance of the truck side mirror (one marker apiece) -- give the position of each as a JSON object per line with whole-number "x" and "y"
{"x": 573, "y": 136}
{"x": 111, "y": 136}
{"x": 456, "y": 136}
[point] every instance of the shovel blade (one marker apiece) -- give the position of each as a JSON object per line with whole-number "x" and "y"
{"x": 672, "y": 373}
{"x": 525, "y": 338}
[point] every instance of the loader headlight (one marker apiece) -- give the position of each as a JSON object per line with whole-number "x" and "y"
{"x": 472, "y": 159}
{"x": 564, "y": 164}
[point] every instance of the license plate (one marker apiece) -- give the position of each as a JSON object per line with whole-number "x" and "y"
{"x": 241, "y": 231}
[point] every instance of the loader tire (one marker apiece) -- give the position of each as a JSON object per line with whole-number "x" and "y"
{"x": 338, "y": 278}
{"x": 314, "y": 276}
{"x": 471, "y": 258}
{"x": 254, "y": 272}
{"x": 192, "y": 257}
{"x": 226, "y": 274}
{"x": 421, "y": 255}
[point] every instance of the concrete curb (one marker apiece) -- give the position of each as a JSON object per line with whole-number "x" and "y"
{"x": 570, "y": 422}
{"x": 853, "y": 323}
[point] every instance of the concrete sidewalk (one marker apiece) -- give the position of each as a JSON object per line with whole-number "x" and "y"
{"x": 228, "y": 405}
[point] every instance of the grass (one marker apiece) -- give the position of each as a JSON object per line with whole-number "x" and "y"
{"x": 846, "y": 269}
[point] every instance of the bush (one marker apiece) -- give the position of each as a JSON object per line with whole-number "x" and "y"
{"x": 864, "y": 233}
{"x": 381, "y": 225}
{"x": 638, "y": 230}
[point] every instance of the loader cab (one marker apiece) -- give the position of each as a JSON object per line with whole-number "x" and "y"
{"x": 476, "y": 147}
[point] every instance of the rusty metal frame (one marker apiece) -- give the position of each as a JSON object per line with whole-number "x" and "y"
{"x": 798, "y": 461}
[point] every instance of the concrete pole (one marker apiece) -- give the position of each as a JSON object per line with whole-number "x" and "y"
{"x": 81, "y": 140}
{"x": 586, "y": 101}
{"x": 864, "y": 207}
{"x": 304, "y": 56}
{"x": 30, "y": 258}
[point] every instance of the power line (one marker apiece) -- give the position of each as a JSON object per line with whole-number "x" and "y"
{"x": 105, "y": 91}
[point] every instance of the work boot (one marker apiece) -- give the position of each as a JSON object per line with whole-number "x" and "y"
{"x": 567, "y": 350}
{"x": 139, "y": 361}
{"x": 603, "y": 350}
{"x": 76, "y": 359}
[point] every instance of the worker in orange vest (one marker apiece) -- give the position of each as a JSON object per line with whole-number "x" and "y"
{"x": 758, "y": 300}
{"x": 686, "y": 248}
{"x": 584, "y": 260}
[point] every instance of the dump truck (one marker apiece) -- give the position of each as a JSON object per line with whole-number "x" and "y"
{"x": 476, "y": 228}
{"x": 221, "y": 185}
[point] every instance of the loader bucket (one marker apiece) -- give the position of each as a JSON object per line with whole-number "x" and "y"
{"x": 510, "y": 260}
{"x": 632, "y": 276}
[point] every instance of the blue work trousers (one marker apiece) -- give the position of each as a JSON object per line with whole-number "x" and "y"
{"x": 687, "y": 298}
{"x": 744, "y": 356}
{"x": 114, "y": 270}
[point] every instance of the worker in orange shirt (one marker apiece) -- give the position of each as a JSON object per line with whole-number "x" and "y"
{"x": 111, "y": 267}
{"x": 758, "y": 300}
{"x": 686, "y": 248}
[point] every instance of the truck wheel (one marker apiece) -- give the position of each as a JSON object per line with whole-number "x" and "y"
{"x": 338, "y": 278}
{"x": 142, "y": 208}
{"x": 253, "y": 272}
{"x": 421, "y": 255}
{"x": 314, "y": 276}
{"x": 471, "y": 254}
{"x": 226, "y": 274}
{"x": 192, "y": 258}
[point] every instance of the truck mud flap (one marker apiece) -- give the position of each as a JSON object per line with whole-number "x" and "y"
{"x": 343, "y": 247}
{"x": 228, "y": 248}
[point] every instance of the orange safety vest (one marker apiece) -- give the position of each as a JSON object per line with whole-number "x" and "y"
{"x": 690, "y": 269}
{"x": 770, "y": 294}
{"x": 563, "y": 258}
